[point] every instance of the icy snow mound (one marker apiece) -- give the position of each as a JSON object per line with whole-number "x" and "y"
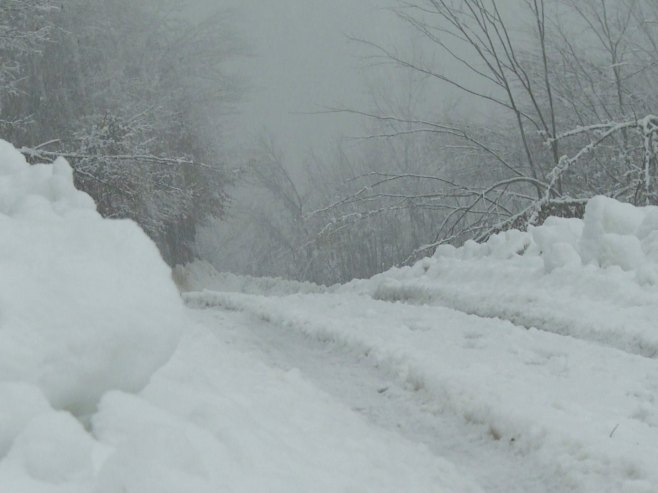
{"x": 612, "y": 234}
{"x": 86, "y": 304}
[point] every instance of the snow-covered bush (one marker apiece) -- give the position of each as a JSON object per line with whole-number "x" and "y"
{"x": 86, "y": 304}
{"x": 612, "y": 234}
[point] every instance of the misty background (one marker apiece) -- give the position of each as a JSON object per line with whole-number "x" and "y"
{"x": 303, "y": 56}
{"x": 326, "y": 141}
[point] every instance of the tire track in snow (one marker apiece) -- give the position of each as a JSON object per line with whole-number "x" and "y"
{"x": 378, "y": 395}
{"x": 554, "y": 401}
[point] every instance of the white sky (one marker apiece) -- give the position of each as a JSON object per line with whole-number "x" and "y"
{"x": 303, "y": 61}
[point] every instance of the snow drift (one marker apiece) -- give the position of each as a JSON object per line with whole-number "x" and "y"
{"x": 86, "y": 304}
{"x": 612, "y": 234}
{"x": 90, "y": 324}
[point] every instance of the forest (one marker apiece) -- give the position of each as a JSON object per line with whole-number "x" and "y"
{"x": 131, "y": 94}
{"x": 138, "y": 98}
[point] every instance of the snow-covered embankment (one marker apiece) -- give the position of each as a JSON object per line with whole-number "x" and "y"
{"x": 107, "y": 386}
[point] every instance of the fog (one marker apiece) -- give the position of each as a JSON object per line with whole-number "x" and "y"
{"x": 325, "y": 141}
{"x": 304, "y": 57}
{"x": 293, "y": 246}
{"x": 302, "y": 61}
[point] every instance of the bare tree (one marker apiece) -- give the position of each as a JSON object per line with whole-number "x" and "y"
{"x": 571, "y": 90}
{"x": 133, "y": 94}
{"x": 25, "y": 28}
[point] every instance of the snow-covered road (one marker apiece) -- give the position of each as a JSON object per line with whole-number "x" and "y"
{"x": 525, "y": 364}
{"x": 529, "y": 362}
{"x": 514, "y": 409}
{"x": 374, "y": 393}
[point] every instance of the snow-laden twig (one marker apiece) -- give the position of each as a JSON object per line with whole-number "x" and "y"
{"x": 36, "y": 153}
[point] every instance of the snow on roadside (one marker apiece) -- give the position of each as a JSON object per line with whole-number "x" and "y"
{"x": 589, "y": 413}
{"x": 595, "y": 279}
{"x": 107, "y": 386}
{"x": 86, "y": 304}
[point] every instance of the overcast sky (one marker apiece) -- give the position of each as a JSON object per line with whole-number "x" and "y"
{"x": 302, "y": 61}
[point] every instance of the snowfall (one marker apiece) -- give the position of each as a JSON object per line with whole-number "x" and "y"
{"x": 525, "y": 364}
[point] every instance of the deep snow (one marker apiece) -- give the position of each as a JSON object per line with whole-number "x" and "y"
{"x": 107, "y": 385}
{"x": 86, "y": 304}
{"x": 537, "y": 349}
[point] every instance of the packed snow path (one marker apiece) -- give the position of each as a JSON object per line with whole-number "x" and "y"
{"x": 517, "y": 409}
{"x": 107, "y": 386}
{"x": 376, "y": 394}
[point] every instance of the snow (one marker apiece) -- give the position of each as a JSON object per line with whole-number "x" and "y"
{"x": 86, "y": 304}
{"x": 593, "y": 279}
{"x": 540, "y": 396}
{"x": 21, "y": 403}
{"x": 53, "y": 449}
{"x": 546, "y": 338}
{"x": 384, "y": 400}
{"x": 609, "y": 234}
{"x": 107, "y": 384}
{"x": 538, "y": 349}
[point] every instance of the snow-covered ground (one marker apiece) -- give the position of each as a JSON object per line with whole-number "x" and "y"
{"x": 546, "y": 341}
{"x": 108, "y": 385}
{"x": 528, "y": 364}
{"x": 586, "y": 414}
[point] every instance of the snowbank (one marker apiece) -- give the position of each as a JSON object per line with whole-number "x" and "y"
{"x": 209, "y": 424}
{"x": 86, "y": 304}
{"x": 612, "y": 234}
{"x": 595, "y": 279}
{"x": 100, "y": 391}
